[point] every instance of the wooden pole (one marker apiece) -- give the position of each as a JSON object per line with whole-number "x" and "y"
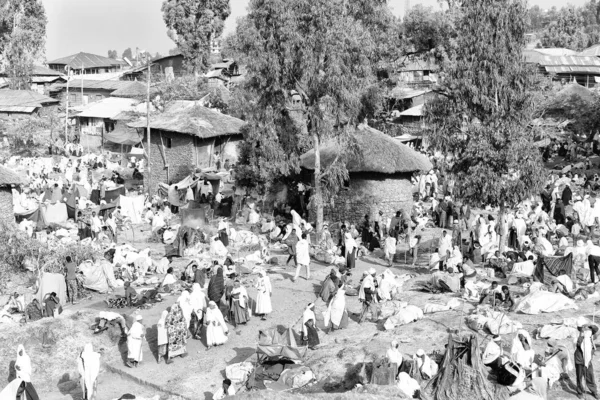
{"x": 67, "y": 109}
{"x": 148, "y": 123}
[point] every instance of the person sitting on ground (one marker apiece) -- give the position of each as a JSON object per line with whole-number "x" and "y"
{"x": 168, "y": 281}
{"x": 130, "y": 294}
{"x": 33, "y": 312}
{"x": 426, "y": 366}
{"x": 106, "y": 318}
{"x": 15, "y": 304}
{"x": 506, "y": 300}
{"x": 51, "y": 304}
{"x": 224, "y": 391}
{"x": 491, "y": 295}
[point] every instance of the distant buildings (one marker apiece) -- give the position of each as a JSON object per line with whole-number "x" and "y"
{"x": 23, "y": 103}
{"x": 564, "y": 65}
{"x": 87, "y": 64}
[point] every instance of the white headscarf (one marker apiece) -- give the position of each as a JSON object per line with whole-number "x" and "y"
{"x": 197, "y": 298}
{"x": 89, "y": 367}
{"x": 161, "y": 329}
{"x": 23, "y": 364}
{"x": 393, "y": 354}
{"x": 307, "y": 315}
{"x": 350, "y": 243}
{"x": 186, "y": 307}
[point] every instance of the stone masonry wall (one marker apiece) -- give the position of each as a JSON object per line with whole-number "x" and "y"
{"x": 180, "y": 158}
{"x": 369, "y": 193}
{"x": 6, "y": 205}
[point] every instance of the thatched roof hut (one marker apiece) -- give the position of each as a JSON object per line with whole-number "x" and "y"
{"x": 377, "y": 152}
{"x": 8, "y": 179}
{"x": 380, "y": 173}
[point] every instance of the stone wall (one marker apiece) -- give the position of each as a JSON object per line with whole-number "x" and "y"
{"x": 369, "y": 193}
{"x": 180, "y": 157}
{"x": 7, "y": 214}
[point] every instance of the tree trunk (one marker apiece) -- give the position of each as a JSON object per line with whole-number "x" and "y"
{"x": 318, "y": 194}
{"x": 502, "y": 233}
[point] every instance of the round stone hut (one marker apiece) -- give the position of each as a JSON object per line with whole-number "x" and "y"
{"x": 380, "y": 171}
{"x": 8, "y": 179}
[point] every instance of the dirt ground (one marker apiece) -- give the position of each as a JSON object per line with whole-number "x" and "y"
{"x": 201, "y": 373}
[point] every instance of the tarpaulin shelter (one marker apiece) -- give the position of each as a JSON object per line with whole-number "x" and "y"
{"x": 109, "y": 195}
{"x": 132, "y": 207}
{"x": 52, "y": 195}
{"x": 550, "y": 267}
{"x": 55, "y": 213}
{"x": 185, "y": 237}
{"x": 274, "y": 346}
{"x": 49, "y": 283}
{"x": 462, "y": 374}
{"x": 37, "y": 216}
{"x": 99, "y": 277}
{"x": 126, "y": 137}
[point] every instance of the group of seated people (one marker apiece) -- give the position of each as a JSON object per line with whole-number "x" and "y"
{"x": 16, "y": 309}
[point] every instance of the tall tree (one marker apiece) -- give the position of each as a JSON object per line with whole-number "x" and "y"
{"x": 319, "y": 50}
{"x": 128, "y": 54}
{"x": 566, "y": 31}
{"x": 193, "y": 25}
{"x": 482, "y": 112}
{"x": 113, "y": 54}
{"x": 22, "y": 39}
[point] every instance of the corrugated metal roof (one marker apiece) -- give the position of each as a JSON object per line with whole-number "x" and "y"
{"x": 556, "y": 51}
{"x": 416, "y": 111}
{"x": 45, "y": 79}
{"x": 23, "y": 99}
{"x": 87, "y": 60}
{"x": 43, "y": 71}
{"x": 99, "y": 85}
{"x": 593, "y": 51}
{"x": 407, "y": 93}
{"x": 190, "y": 118}
{"x": 133, "y": 89}
{"x": 107, "y": 108}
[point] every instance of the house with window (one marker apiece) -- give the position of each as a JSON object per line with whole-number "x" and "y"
{"x": 87, "y": 64}
{"x": 418, "y": 74}
{"x": 15, "y": 104}
{"x": 585, "y": 70}
{"x": 41, "y": 79}
{"x": 187, "y": 136}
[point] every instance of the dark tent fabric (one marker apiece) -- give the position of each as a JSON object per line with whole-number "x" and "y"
{"x": 193, "y": 218}
{"x": 462, "y": 375}
{"x": 549, "y": 267}
{"x": 80, "y": 191}
{"x": 36, "y": 216}
{"x": 127, "y": 137}
{"x": 274, "y": 345}
{"x": 185, "y": 237}
{"x": 109, "y": 195}
{"x": 52, "y": 195}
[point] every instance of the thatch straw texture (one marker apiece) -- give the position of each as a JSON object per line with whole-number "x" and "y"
{"x": 8, "y": 177}
{"x": 377, "y": 152}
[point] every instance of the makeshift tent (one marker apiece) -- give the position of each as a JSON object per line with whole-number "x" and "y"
{"x": 132, "y": 207}
{"x": 52, "y": 283}
{"x": 274, "y": 345}
{"x": 37, "y": 216}
{"x": 127, "y": 137}
{"x": 109, "y": 195}
{"x": 550, "y": 267}
{"x": 55, "y": 213}
{"x": 99, "y": 277}
{"x": 193, "y": 218}
{"x": 185, "y": 237}
{"x": 52, "y": 195}
{"x": 462, "y": 375}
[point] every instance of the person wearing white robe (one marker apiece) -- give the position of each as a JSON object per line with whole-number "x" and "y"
{"x": 408, "y": 385}
{"x": 445, "y": 244}
{"x": 216, "y": 330}
{"x": 158, "y": 221}
{"x": 135, "y": 337}
{"x": 23, "y": 365}
{"x": 302, "y": 257}
{"x": 198, "y": 301}
{"x": 162, "y": 338}
{"x": 263, "y": 296}
{"x": 394, "y": 356}
{"x": 307, "y": 315}
{"x": 88, "y": 365}
{"x": 425, "y": 365}
{"x": 336, "y": 309}
{"x": 545, "y": 246}
{"x": 523, "y": 357}
{"x": 218, "y": 249}
{"x": 350, "y": 247}
{"x": 186, "y": 309}
{"x": 455, "y": 259}
{"x": 389, "y": 248}
{"x": 488, "y": 241}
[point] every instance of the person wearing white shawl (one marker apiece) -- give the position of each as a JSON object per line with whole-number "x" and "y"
{"x": 455, "y": 259}
{"x": 488, "y": 241}
{"x": 162, "y": 338}
{"x": 394, "y": 356}
{"x": 88, "y": 365}
{"x": 408, "y": 385}
{"x": 336, "y": 310}
{"x": 558, "y": 363}
{"x": 387, "y": 285}
{"x": 197, "y": 301}
{"x": 253, "y": 217}
{"x": 521, "y": 351}
{"x": 216, "y": 330}
{"x": 186, "y": 308}
{"x": 307, "y": 315}
{"x": 263, "y": 295}
{"x": 350, "y": 247}
{"x": 23, "y": 365}
{"x": 239, "y": 303}
{"x": 584, "y": 352}
{"x": 425, "y": 365}
{"x": 135, "y": 337}
{"x": 158, "y": 221}
{"x": 545, "y": 246}
{"x": 445, "y": 244}
{"x": 218, "y": 249}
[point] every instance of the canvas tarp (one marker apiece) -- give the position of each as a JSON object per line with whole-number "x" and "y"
{"x": 99, "y": 277}
{"x": 55, "y": 213}
{"x": 52, "y": 195}
{"x": 462, "y": 375}
{"x": 550, "y": 267}
{"x": 52, "y": 283}
{"x": 274, "y": 346}
{"x": 132, "y": 207}
{"x": 109, "y": 195}
{"x": 128, "y": 137}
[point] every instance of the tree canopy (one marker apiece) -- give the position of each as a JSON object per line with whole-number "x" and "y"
{"x": 566, "y": 31}
{"x": 22, "y": 39}
{"x": 128, "y": 54}
{"x": 112, "y": 54}
{"x": 193, "y": 25}
{"x": 308, "y": 64}
{"x": 484, "y": 105}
